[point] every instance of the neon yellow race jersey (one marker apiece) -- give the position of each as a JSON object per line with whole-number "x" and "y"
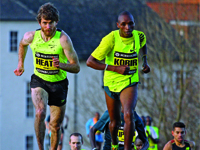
{"x": 42, "y": 57}
{"x": 152, "y": 145}
{"x": 119, "y": 51}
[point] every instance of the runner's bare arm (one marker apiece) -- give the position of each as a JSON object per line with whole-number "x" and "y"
{"x": 143, "y": 51}
{"x": 95, "y": 64}
{"x": 23, "y": 46}
{"x": 168, "y": 146}
{"x": 93, "y": 130}
{"x": 73, "y": 65}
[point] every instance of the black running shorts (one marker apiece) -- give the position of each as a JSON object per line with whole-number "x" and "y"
{"x": 57, "y": 90}
{"x": 116, "y": 95}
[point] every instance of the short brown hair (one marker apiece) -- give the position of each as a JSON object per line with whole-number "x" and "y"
{"x": 48, "y": 11}
{"x": 76, "y": 134}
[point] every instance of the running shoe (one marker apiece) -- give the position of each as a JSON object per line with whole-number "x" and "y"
{"x": 115, "y": 147}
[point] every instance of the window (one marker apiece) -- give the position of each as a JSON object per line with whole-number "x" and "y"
{"x": 13, "y": 41}
{"x": 29, "y": 104}
{"x": 29, "y": 142}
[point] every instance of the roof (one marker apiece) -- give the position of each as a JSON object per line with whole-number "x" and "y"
{"x": 188, "y": 1}
{"x": 15, "y": 10}
{"x": 182, "y": 10}
{"x": 87, "y": 22}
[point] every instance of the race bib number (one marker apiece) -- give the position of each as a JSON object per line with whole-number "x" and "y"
{"x": 121, "y": 136}
{"x": 129, "y": 59}
{"x": 44, "y": 63}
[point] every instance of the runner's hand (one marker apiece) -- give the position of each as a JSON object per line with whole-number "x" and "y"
{"x": 56, "y": 62}
{"x": 122, "y": 69}
{"x": 19, "y": 71}
{"x": 145, "y": 68}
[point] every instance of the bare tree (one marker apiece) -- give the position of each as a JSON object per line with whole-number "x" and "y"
{"x": 171, "y": 92}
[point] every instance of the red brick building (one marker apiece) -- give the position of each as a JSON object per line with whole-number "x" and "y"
{"x": 183, "y": 15}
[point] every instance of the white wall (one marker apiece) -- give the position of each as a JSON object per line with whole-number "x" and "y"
{"x": 83, "y": 77}
{"x": 14, "y": 125}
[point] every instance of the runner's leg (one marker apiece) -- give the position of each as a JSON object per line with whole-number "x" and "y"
{"x": 114, "y": 107}
{"x": 128, "y": 98}
{"x": 57, "y": 116}
{"x": 39, "y": 98}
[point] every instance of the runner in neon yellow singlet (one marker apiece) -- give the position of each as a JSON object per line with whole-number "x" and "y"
{"x": 52, "y": 49}
{"x": 153, "y": 136}
{"x": 120, "y": 49}
{"x": 42, "y": 57}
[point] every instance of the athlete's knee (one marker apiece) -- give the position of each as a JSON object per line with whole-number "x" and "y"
{"x": 113, "y": 125}
{"x": 40, "y": 114}
{"x": 128, "y": 116}
{"x": 54, "y": 127}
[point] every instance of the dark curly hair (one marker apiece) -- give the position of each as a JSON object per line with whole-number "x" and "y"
{"x": 48, "y": 12}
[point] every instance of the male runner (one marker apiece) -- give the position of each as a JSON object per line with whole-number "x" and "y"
{"x": 120, "y": 49}
{"x": 153, "y": 136}
{"x": 98, "y": 136}
{"x": 103, "y": 126}
{"x": 179, "y": 143}
{"x": 75, "y": 141}
{"x": 52, "y": 48}
{"x": 138, "y": 143}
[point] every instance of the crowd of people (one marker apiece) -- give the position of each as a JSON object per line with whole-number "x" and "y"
{"x": 54, "y": 56}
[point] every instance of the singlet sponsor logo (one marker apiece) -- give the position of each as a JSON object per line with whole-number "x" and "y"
{"x": 62, "y": 101}
{"x": 121, "y": 136}
{"x": 44, "y": 63}
{"x": 129, "y": 59}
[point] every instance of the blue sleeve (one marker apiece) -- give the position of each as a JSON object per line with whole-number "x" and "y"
{"x": 102, "y": 122}
{"x": 48, "y": 119}
{"x": 140, "y": 127}
{"x": 88, "y": 124}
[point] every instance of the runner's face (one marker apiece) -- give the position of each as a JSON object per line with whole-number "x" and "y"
{"x": 179, "y": 134}
{"x": 138, "y": 144}
{"x": 75, "y": 142}
{"x": 48, "y": 27}
{"x": 148, "y": 121}
{"x": 126, "y": 25}
{"x": 97, "y": 116}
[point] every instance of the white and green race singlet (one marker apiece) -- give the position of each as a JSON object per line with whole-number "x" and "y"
{"x": 122, "y": 54}
{"x": 42, "y": 57}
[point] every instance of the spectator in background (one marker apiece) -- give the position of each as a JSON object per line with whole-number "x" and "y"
{"x": 153, "y": 137}
{"x": 98, "y": 136}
